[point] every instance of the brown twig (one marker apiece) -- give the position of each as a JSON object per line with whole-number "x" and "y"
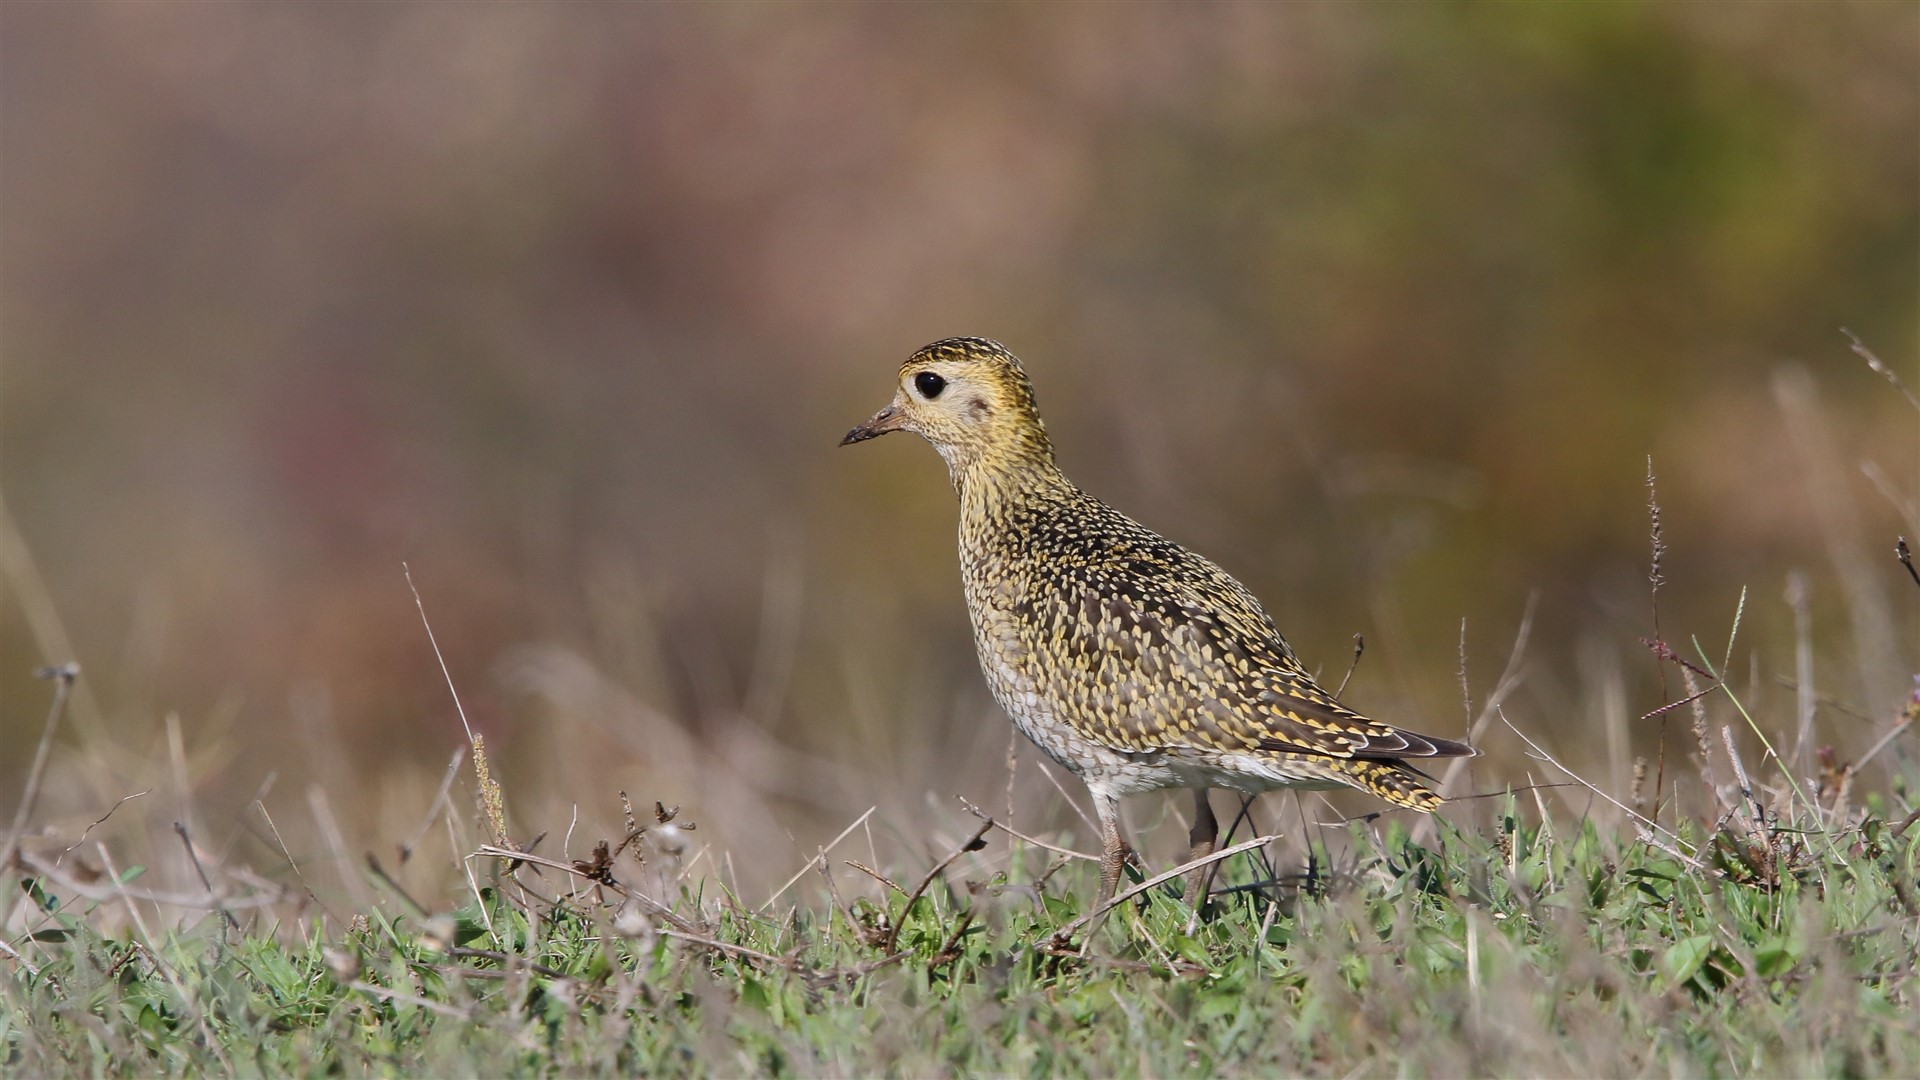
{"x": 600, "y": 876}
{"x": 102, "y": 820}
{"x": 1040, "y": 883}
{"x": 1672, "y": 705}
{"x": 186, "y": 841}
{"x": 1359, "y": 646}
{"x": 950, "y": 951}
{"x": 1504, "y": 686}
{"x": 1010, "y": 831}
{"x": 1905, "y": 555}
{"x": 292, "y": 863}
{"x": 411, "y": 999}
{"x": 1066, "y": 795}
{"x": 380, "y": 874}
{"x": 1054, "y": 947}
{"x": 876, "y": 875}
{"x": 975, "y": 843}
{"x": 63, "y": 677}
{"x": 1904, "y": 723}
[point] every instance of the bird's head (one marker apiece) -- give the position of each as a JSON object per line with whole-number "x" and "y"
{"x": 970, "y": 398}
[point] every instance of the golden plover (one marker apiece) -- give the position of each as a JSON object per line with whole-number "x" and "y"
{"x": 1128, "y": 659}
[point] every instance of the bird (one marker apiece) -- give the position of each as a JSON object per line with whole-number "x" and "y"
{"x": 1133, "y": 662}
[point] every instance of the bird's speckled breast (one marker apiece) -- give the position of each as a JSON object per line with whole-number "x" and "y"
{"x": 995, "y": 591}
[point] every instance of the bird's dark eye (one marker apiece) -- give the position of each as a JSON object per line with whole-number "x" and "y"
{"x": 929, "y": 384}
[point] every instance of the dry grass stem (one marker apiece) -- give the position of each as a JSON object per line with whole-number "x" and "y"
{"x": 492, "y": 806}
{"x": 1880, "y": 367}
{"x": 1066, "y": 932}
{"x": 1650, "y": 824}
{"x": 1655, "y": 578}
{"x": 877, "y": 876}
{"x": 818, "y": 859}
{"x": 193, "y": 855}
{"x": 433, "y": 807}
{"x": 63, "y": 678}
{"x": 214, "y": 899}
{"x": 1041, "y": 844}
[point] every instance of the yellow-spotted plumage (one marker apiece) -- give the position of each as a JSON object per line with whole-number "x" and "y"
{"x": 1127, "y": 658}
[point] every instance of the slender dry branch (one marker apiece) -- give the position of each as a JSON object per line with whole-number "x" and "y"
{"x": 380, "y": 874}
{"x": 877, "y": 876}
{"x": 1067, "y": 795}
{"x": 63, "y": 677}
{"x": 790, "y": 963}
{"x": 1884, "y": 741}
{"x": 10, "y": 953}
{"x": 1905, "y": 555}
{"x": 186, "y": 841}
{"x": 102, "y": 820}
{"x": 512, "y": 960}
{"x": 819, "y": 859}
{"x": 1359, "y": 647}
{"x": 1041, "y": 844}
{"x": 974, "y": 843}
{"x": 602, "y": 878}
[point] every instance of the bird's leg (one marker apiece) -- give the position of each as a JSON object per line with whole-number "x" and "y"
{"x": 1203, "y": 836}
{"x": 1113, "y": 847}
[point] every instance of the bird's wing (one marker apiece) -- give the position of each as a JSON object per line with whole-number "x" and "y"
{"x": 1160, "y": 648}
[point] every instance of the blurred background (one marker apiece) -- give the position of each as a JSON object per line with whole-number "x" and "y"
{"x": 1385, "y": 308}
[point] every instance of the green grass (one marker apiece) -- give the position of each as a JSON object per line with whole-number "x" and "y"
{"x": 1509, "y": 947}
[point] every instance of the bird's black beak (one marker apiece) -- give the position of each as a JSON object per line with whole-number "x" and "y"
{"x": 887, "y": 419}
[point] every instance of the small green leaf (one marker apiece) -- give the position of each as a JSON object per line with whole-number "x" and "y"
{"x": 754, "y": 991}
{"x": 1660, "y": 872}
{"x": 45, "y": 900}
{"x": 1683, "y": 960}
{"x": 1776, "y": 957}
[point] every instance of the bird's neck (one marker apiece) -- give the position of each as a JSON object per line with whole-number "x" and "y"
{"x": 1002, "y": 480}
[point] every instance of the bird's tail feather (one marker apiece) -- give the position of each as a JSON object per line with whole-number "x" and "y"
{"x": 1390, "y": 781}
